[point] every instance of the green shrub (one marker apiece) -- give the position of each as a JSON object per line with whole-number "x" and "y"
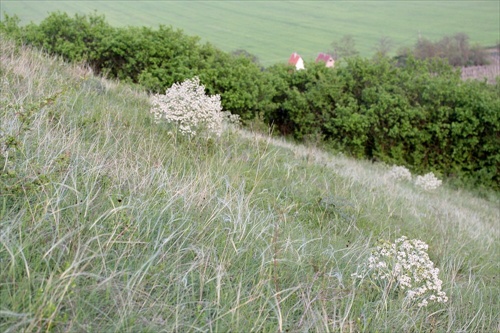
{"x": 421, "y": 115}
{"x": 75, "y": 39}
{"x": 153, "y": 58}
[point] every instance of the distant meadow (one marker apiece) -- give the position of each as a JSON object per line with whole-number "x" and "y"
{"x": 272, "y": 30}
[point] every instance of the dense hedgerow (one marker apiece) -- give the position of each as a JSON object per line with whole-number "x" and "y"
{"x": 420, "y": 115}
{"x": 152, "y": 58}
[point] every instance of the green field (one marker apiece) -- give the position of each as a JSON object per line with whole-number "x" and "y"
{"x": 272, "y": 30}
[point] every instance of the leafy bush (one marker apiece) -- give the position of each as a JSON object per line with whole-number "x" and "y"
{"x": 75, "y": 39}
{"x": 310, "y": 102}
{"x": 421, "y": 115}
{"x": 237, "y": 79}
{"x": 153, "y": 58}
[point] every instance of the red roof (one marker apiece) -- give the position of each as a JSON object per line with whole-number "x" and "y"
{"x": 294, "y": 58}
{"x": 323, "y": 57}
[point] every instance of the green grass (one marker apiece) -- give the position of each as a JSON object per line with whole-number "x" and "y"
{"x": 112, "y": 223}
{"x": 272, "y": 30}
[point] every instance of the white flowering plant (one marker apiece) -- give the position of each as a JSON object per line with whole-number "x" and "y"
{"x": 428, "y": 182}
{"x": 405, "y": 266}
{"x": 186, "y": 105}
{"x": 399, "y": 173}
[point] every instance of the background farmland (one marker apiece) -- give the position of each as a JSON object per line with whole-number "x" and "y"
{"x": 274, "y": 29}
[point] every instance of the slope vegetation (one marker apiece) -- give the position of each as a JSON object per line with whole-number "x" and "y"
{"x": 112, "y": 223}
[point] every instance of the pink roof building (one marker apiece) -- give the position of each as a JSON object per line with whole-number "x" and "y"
{"x": 326, "y": 58}
{"x": 296, "y": 60}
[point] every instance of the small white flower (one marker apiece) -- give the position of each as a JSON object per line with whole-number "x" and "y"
{"x": 428, "y": 182}
{"x": 399, "y": 173}
{"x": 423, "y": 303}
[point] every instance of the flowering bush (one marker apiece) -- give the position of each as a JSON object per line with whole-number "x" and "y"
{"x": 405, "y": 265}
{"x": 399, "y": 173}
{"x": 187, "y": 105}
{"x": 428, "y": 182}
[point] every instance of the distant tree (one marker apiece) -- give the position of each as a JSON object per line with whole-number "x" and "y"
{"x": 455, "y": 49}
{"x": 383, "y": 46}
{"x": 345, "y": 47}
{"x": 477, "y": 56}
{"x": 425, "y": 49}
{"x": 246, "y": 54}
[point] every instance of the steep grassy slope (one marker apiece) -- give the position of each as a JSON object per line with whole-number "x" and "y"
{"x": 109, "y": 222}
{"x": 272, "y": 30}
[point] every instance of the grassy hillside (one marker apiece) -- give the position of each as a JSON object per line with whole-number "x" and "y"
{"x": 272, "y": 30}
{"x": 112, "y": 223}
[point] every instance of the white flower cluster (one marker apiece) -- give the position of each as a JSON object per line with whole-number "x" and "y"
{"x": 405, "y": 265}
{"x": 187, "y": 105}
{"x": 428, "y": 182}
{"x": 399, "y": 173}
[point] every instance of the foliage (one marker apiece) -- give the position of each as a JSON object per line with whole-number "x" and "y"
{"x": 305, "y": 102}
{"x": 75, "y": 38}
{"x": 239, "y": 81}
{"x": 421, "y": 115}
{"x": 153, "y": 58}
{"x": 455, "y": 49}
{"x": 246, "y": 54}
{"x": 345, "y": 47}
